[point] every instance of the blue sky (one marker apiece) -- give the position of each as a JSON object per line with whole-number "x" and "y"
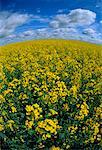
{"x": 35, "y": 19}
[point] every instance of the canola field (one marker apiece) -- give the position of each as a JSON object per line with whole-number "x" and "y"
{"x": 51, "y": 95}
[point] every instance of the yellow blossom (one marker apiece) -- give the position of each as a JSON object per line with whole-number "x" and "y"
{"x": 10, "y": 124}
{"x": 29, "y": 124}
{"x": 1, "y": 127}
{"x": 2, "y": 99}
{"x": 13, "y": 109}
{"x": 29, "y": 108}
{"x": 55, "y": 148}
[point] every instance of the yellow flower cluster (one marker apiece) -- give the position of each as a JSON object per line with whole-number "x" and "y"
{"x": 1, "y": 124}
{"x": 33, "y": 113}
{"x": 52, "y": 112}
{"x": 1, "y": 72}
{"x": 10, "y": 124}
{"x": 13, "y": 109}
{"x": 65, "y": 106}
{"x": 23, "y": 96}
{"x": 83, "y": 111}
{"x": 14, "y": 83}
{"x": 47, "y": 127}
{"x": 58, "y": 90}
{"x": 1, "y": 127}
{"x": 98, "y": 114}
{"x": 29, "y": 124}
{"x": 55, "y": 148}
{"x": 72, "y": 129}
{"x": 95, "y": 135}
{"x": 46, "y": 82}
{"x": 94, "y": 129}
{"x": 2, "y": 99}
{"x": 8, "y": 91}
{"x": 74, "y": 91}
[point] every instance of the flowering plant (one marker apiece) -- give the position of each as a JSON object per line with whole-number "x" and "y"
{"x": 50, "y": 95}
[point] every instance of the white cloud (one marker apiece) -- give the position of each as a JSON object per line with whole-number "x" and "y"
{"x": 101, "y": 21}
{"x": 10, "y": 21}
{"x": 64, "y": 33}
{"x": 33, "y": 34}
{"x": 61, "y": 10}
{"x": 27, "y": 33}
{"x": 89, "y": 31}
{"x": 78, "y": 24}
{"x": 47, "y": 33}
{"x": 59, "y": 21}
{"x": 12, "y": 36}
{"x": 82, "y": 17}
{"x": 97, "y": 40}
{"x": 40, "y": 18}
{"x": 77, "y": 17}
{"x": 54, "y": 24}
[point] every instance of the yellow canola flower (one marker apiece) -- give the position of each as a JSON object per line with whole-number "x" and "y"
{"x": 44, "y": 137}
{"x": 1, "y": 120}
{"x": 36, "y": 114}
{"x": 48, "y": 135}
{"x": 92, "y": 139}
{"x": 52, "y": 71}
{"x": 72, "y": 129}
{"x": 13, "y": 109}
{"x": 78, "y": 105}
{"x": 53, "y": 112}
{"x": 1, "y": 127}
{"x": 84, "y": 110}
{"x": 98, "y": 112}
{"x": 74, "y": 90}
{"x": 21, "y": 138}
{"x": 29, "y": 108}
{"x": 8, "y": 91}
{"x": 55, "y": 148}
{"x": 49, "y": 128}
{"x": 99, "y": 137}
{"x": 12, "y": 84}
{"x": 66, "y": 107}
{"x": 36, "y": 105}
{"x": 29, "y": 124}
{"x": 2, "y": 99}
{"x": 33, "y": 113}
{"x": 24, "y": 96}
{"x": 96, "y": 128}
{"x": 10, "y": 124}
{"x": 47, "y": 125}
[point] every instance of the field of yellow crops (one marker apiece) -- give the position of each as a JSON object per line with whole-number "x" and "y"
{"x": 50, "y": 95}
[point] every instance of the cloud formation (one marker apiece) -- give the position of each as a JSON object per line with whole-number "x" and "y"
{"x": 89, "y": 31}
{"x": 87, "y": 34}
{"x": 78, "y": 24}
{"x": 77, "y": 17}
{"x": 10, "y": 21}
